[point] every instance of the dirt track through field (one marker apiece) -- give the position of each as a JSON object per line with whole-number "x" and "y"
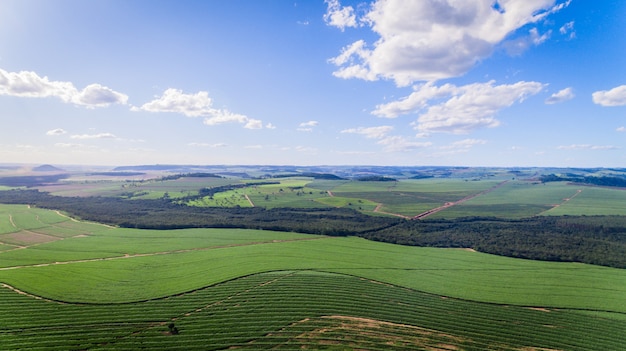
{"x": 155, "y": 253}
{"x": 250, "y": 201}
{"x": 450, "y": 204}
{"x": 379, "y": 206}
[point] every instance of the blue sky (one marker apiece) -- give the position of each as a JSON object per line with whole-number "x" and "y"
{"x": 424, "y": 82}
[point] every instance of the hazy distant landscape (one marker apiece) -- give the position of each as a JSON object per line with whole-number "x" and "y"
{"x": 287, "y": 257}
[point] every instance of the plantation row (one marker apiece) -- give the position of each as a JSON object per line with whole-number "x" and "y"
{"x": 587, "y": 239}
{"x": 299, "y": 309}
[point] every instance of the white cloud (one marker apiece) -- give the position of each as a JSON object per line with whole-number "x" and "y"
{"x": 457, "y": 109}
{"x": 307, "y": 126}
{"x": 96, "y": 95}
{"x": 196, "y": 105}
{"x": 418, "y": 100}
{"x": 339, "y": 16}
{"x": 428, "y": 40}
{"x": 568, "y": 28}
{"x": 560, "y": 96}
{"x": 587, "y": 147}
{"x": 253, "y": 124}
{"x": 29, "y": 84}
{"x": 517, "y": 46}
{"x": 370, "y": 132}
{"x": 57, "y": 131}
{"x": 94, "y": 136}
{"x": 174, "y": 100}
{"x": 613, "y": 97}
{"x": 621, "y": 129}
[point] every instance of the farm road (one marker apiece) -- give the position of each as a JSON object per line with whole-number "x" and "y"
{"x": 450, "y": 204}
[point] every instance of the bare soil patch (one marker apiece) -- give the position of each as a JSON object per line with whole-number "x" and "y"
{"x": 26, "y": 238}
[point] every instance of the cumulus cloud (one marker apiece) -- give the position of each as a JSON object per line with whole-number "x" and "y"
{"x": 458, "y": 109}
{"x": 57, "y": 131}
{"x": 560, "y": 96}
{"x": 370, "y": 132}
{"x": 94, "y": 136}
{"x": 30, "y": 84}
{"x": 429, "y": 40}
{"x": 339, "y": 16}
{"x": 621, "y": 129}
{"x": 613, "y": 97}
{"x": 196, "y": 105}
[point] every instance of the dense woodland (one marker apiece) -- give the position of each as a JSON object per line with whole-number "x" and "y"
{"x": 597, "y": 240}
{"x": 617, "y": 181}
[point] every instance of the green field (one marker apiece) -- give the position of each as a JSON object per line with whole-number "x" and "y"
{"x": 404, "y": 197}
{"x": 289, "y": 310}
{"x": 120, "y": 288}
{"x": 68, "y": 284}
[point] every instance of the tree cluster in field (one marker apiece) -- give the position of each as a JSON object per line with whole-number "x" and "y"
{"x": 592, "y": 180}
{"x": 190, "y": 175}
{"x": 375, "y": 178}
{"x": 597, "y": 240}
{"x": 325, "y": 176}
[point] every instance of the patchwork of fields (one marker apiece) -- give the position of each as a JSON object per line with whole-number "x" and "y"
{"x": 89, "y": 286}
{"x": 499, "y": 197}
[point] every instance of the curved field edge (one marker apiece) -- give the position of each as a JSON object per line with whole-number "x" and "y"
{"x": 295, "y": 309}
{"x": 448, "y": 272}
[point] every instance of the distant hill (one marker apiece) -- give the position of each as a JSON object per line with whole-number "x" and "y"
{"x": 47, "y": 168}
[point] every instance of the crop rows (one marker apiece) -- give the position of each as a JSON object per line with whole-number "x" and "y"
{"x": 293, "y": 310}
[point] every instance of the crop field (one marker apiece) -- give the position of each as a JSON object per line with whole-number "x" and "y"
{"x": 291, "y": 310}
{"x": 498, "y": 196}
{"x": 99, "y": 288}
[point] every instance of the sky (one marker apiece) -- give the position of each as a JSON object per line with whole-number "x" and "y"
{"x": 502, "y": 83}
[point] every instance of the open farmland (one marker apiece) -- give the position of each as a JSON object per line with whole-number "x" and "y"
{"x": 115, "y": 288}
